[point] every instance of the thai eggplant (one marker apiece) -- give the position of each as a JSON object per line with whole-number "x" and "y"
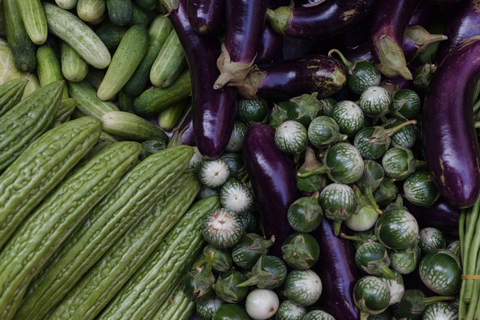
{"x": 206, "y": 16}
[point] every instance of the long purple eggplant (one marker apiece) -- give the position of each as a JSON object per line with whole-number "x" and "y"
{"x": 270, "y": 48}
{"x": 464, "y": 23}
{"x": 449, "y": 135}
{"x": 422, "y": 15}
{"x": 213, "y": 110}
{"x": 273, "y": 178}
{"x": 322, "y": 20}
{"x": 338, "y": 272}
{"x": 288, "y": 79}
{"x": 206, "y": 16}
{"x": 245, "y": 24}
{"x": 390, "y": 20}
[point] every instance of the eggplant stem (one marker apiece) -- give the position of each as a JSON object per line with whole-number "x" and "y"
{"x": 394, "y": 130}
{"x": 477, "y": 125}
{"x": 476, "y": 106}
{"x": 420, "y": 163}
{"x": 372, "y": 201}
{"x": 430, "y": 300}
{"x": 321, "y": 170}
{"x": 347, "y": 63}
{"x": 387, "y": 272}
{"x": 252, "y": 281}
{"x": 337, "y": 224}
{"x": 351, "y": 238}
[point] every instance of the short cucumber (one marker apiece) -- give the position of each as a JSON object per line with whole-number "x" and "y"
{"x": 78, "y": 35}
{"x": 146, "y": 5}
{"x": 48, "y": 68}
{"x": 149, "y": 288}
{"x": 111, "y": 36}
{"x": 139, "y": 17}
{"x": 74, "y": 68}
{"x": 95, "y": 77}
{"x": 50, "y": 224}
{"x": 66, "y": 4}
{"x": 120, "y": 11}
{"x": 169, "y": 63}
{"x": 168, "y": 118}
{"x": 126, "y": 59}
{"x": 91, "y": 10}
{"x": 178, "y": 306}
{"x": 159, "y": 31}
{"x": 65, "y": 109}
{"x": 33, "y": 17}
{"x": 23, "y": 48}
{"x": 154, "y": 100}
{"x": 125, "y": 102}
{"x": 11, "y": 93}
{"x": 131, "y": 126}
{"x": 87, "y": 100}
{"x": 24, "y": 123}
{"x": 128, "y": 254}
{"x": 8, "y": 71}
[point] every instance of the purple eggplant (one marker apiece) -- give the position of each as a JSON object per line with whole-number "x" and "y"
{"x": 446, "y": 1}
{"x": 245, "y": 24}
{"x": 338, "y": 272}
{"x": 320, "y": 20}
{"x": 422, "y": 15}
{"x": 390, "y": 20}
{"x": 270, "y": 49}
{"x": 284, "y": 80}
{"x": 273, "y": 178}
{"x": 449, "y": 135}
{"x": 213, "y": 110}
{"x": 206, "y": 16}
{"x": 463, "y": 23}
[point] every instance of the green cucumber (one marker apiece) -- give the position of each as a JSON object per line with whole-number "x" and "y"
{"x": 74, "y": 68}
{"x": 139, "y": 17}
{"x": 167, "y": 119}
{"x": 149, "y": 288}
{"x": 125, "y": 102}
{"x": 91, "y": 10}
{"x": 22, "y": 47}
{"x": 11, "y": 93}
{"x": 145, "y": 184}
{"x": 126, "y": 59}
{"x": 95, "y": 77}
{"x": 111, "y": 36}
{"x": 106, "y": 137}
{"x": 128, "y": 254}
{"x": 169, "y": 63}
{"x": 78, "y": 35}
{"x": 159, "y": 31}
{"x": 131, "y": 126}
{"x": 48, "y": 68}
{"x": 24, "y": 123}
{"x": 33, "y": 17}
{"x": 147, "y": 5}
{"x": 66, "y": 4}
{"x": 120, "y": 11}
{"x": 43, "y": 232}
{"x": 154, "y": 100}
{"x": 88, "y": 102}
{"x": 178, "y": 306}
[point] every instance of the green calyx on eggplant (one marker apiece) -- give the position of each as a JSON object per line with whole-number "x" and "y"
{"x": 364, "y": 216}
{"x": 338, "y": 203}
{"x": 226, "y": 287}
{"x": 431, "y": 239}
{"x": 236, "y": 139}
{"x": 349, "y": 117}
{"x": 375, "y": 102}
{"x": 406, "y": 104}
{"x": 305, "y": 214}
{"x": 324, "y": 131}
{"x": 423, "y": 75}
{"x": 268, "y": 273}
{"x": 386, "y": 192}
{"x": 197, "y": 283}
{"x": 405, "y": 261}
{"x": 441, "y": 272}
{"x": 373, "y": 175}
{"x": 302, "y": 109}
{"x": 249, "y": 249}
{"x": 222, "y": 260}
{"x": 422, "y": 39}
{"x": 300, "y": 251}
{"x": 399, "y": 163}
{"x": 326, "y": 105}
{"x": 307, "y": 178}
{"x": 373, "y": 142}
{"x": 405, "y": 137}
{"x": 372, "y": 258}
{"x": 360, "y": 237}
{"x": 396, "y": 287}
{"x": 420, "y": 190}
{"x": 413, "y": 304}
{"x": 278, "y": 115}
{"x": 371, "y": 296}
{"x": 291, "y": 137}
{"x": 251, "y": 111}
{"x": 361, "y": 74}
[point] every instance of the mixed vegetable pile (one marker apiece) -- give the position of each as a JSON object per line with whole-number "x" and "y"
{"x": 239, "y": 159}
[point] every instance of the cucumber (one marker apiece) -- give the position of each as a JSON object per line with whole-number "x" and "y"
{"x": 131, "y": 126}
{"x": 65, "y": 109}
{"x": 50, "y": 224}
{"x": 154, "y": 100}
{"x": 125, "y": 102}
{"x": 107, "y": 222}
{"x": 11, "y": 93}
{"x": 106, "y": 137}
{"x": 74, "y": 68}
{"x": 178, "y": 306}
{"x": 128, "y": 254}
{"x": 111, "y": 36}
{"x": 24, "y": 123}
{"x": 33, "y": 17}
{"x": 120, "y": 11}
{"x": 168, "y": 118}
{"x": 22, "y": 47}
{"x": 66, "y": 4}
{"x": 48, "y": 68}
{"x": 149, "y": 288}
{"x": 88, "y": 102}
{"x": 78, "y": 35}
{"x": 159, "y": 31}
{"x": 169, "y": 63}
{"x": 139, "y": 17}
{"x": 126, "y": 59}
{"x": 8, "y": 71}
{"x": 91, "y": 10}
{"x": 95, "y": 77}
{"x": 146, "y": 5}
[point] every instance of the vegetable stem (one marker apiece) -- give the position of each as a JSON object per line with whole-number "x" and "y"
{"x": 321, "y": 170}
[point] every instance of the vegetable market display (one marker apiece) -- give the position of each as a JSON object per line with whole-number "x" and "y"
{"x": 239, "y": 159}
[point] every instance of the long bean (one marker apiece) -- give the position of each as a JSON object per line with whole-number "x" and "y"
{"x": 474, "y": 309}
{"x": 462, "y": 308}
{"x": 472, "y": 253}
{"x": 471, "y": 220}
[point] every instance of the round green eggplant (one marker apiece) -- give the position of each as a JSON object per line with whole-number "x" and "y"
{"x": 375, "y": 101}
{"x": 324, "y": 131}
{"x": 249, "y": 222}
{"x": 441, "y": 272}
{"x": 440, "y": 311}
{"x": 303, "y": 287}
{"x": 197, "y": 283}
{"x": 289, "y": 310}
{"x": 249, "y": 249}
{"x": 371, "y": 295}
{"x": 300, "y": 251}
{"x": 385, "y": 315}
{"x": 207, "y": 309}
{"x": 395, "y": 286}
{"x": 349, "y": 117}
{"x": 236, "y": 196}
{"x": 343, "y": 163}
{"x": 235, "y": 164}
{"x": 251, "y": 111}
{"x": 386, "y": 192}
{"x": 420, "y": 190}
{"x": 399, "y": 163}
{"x": 213, "y": 173}
{"x": 222, "y": 228}
{"x": 431, "y": 239}
{"x": 305, "y": 214}
{"x": 405, "y": 104}
{"x": 405, "y": 261}
{"x": 338, "y": 203}
{"x": 231, "y": 312}
{"x": 405, "y": 137}
{"x": 291, "y": 137}
{"x": 226, "y": 287}
{"x": 318, "y": 315}
{"x": 413, "y": 304}
{"x": 373, "y": 175}
{"x": 268, "y": 273}
{"x": 396, "y": 229}
{"x": 372, "y": 258}
{"x": 236, "y": 139}
{"x": 222, "y": 259}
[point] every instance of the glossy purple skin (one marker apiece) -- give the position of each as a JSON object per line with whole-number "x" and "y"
{"x": 188, "y": 136}
{"x": 270, "y": 48}
{"x": 245, "y": 24}
{"x": 422, "y": 15}
{"x": 292, "y": 78}
{"x": 446, "y": 1}
{"x": 361, "y": 52}
{"x": 206, "y": 16}
{"x": 213, "y": 110}
{"x": 327, "y": 18}
{"x": 273, "y": 178}
{"x": 338, "y": 272}
{"x": 449, "y": 134}
{"x": 274, "y": 4}
{"x": 463, "y": 23}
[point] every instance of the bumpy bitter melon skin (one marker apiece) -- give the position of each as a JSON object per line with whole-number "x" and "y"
{"x": 177, "y": 306}
{"x": 92, "y": 293}
{"x": 50, "y": 224}
{"x": 11, "y": 93}
{"x": 40, "y": 168}
{"x": 133, "y": 195}
{"x": 151, "y": 285}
